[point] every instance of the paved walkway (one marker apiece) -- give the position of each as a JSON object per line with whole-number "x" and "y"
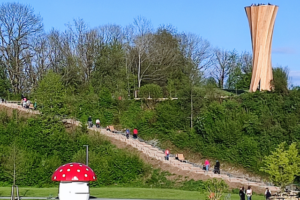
{"x": 158, "y": 154}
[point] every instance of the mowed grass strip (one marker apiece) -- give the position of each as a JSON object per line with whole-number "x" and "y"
{"x": 121, "y": 192}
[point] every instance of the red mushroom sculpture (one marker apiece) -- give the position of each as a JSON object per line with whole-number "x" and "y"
{"x": 74, "y": 178}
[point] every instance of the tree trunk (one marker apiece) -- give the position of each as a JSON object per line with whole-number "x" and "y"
{"x": 139, "y": 72}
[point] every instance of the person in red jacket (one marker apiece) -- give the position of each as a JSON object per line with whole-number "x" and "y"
{"x": 135, "y": 132}
{"x": 167, "y": 153}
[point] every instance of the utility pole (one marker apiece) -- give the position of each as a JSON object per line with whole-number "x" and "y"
{"x": 87, "y": 154}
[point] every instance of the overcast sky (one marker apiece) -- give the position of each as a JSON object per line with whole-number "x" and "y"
{"x": 223, "y": 23}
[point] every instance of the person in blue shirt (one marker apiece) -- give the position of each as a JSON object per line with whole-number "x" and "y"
{"x": 127, "y": 133}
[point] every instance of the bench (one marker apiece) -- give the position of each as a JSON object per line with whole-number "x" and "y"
{"x": 112, "y": 129}
{"x": 31, "y": 106}
{"x": 181, "y": 158}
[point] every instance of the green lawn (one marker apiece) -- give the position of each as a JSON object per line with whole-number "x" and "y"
{"x": 121, "y": 192}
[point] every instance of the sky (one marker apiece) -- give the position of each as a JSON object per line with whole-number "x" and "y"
{"x": 222, "y": 22}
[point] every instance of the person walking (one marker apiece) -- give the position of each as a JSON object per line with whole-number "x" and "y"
{"x": 167, "y": 153}
{"x": 135, "y": 133}
{"x": 206, "y": 163}
{"x": 127, "y": 133}
{"x": 217, "y": 168}
{"x": 90, "y": 122}
{"x": 24, "y": 102}
{"x": 28, "y": 103}
{"x": 249, "y": 193}
{"x": 242, "y": 193}
{"x": 98, "y": 123}
{"x": 268, "y": 193}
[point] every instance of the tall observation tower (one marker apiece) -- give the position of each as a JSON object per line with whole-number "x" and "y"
{"x": 261, "y": 21}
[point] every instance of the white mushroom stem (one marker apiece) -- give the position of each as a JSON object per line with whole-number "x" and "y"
{"x": 74, "y": 191}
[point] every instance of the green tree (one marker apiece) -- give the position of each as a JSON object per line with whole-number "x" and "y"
{"x": 4, "y": 82}
{"x": 14, "y": 163}
{"x": 240, "y": 77}
{"x": 280, "y": 79}
{"x": 150, "y": 90}
{"x": 282, "y": 165}
{"x": 110, "y": 70}
{"x": 50, "y": 94}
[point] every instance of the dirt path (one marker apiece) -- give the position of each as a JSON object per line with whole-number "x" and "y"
{"x": 166, "y": 166}
{"x": 154, "y": 156}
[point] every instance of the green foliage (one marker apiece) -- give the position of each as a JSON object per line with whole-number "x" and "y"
{"x": 4, "y": 82}
{"x": 247, "y": 128}
{"x": 238, "y": 80}
{"x": 14, "y": 162}
{"x": 50, "y": 94}
{"x": 215, "y": 188}
{"x": 251, "y": 124}
{"x": 192, "y": 185}
{"x": 150, "y": 90}
{"x": 42, "y": 145}
{"x": 280, "y": 79}
{"x": 160, "y": 179}
{"x": 110, "y": 68}
{"x": 282, "y": 165}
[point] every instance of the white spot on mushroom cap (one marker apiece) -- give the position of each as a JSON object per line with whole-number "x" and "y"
{"x": 80, "y": 165}
{"x": 71, "y": 165}
{"x": 94, "y": 177}
{"x": 60, "y": 170}
{"x": 68, "y": 170}
{"x": 54, "y": 177}
{"x": 86, "y": 175}
{"x": 63, "y": 175}
{"x": 75, "y": 178}
{"x": 78, "y": 170}
{"x": 87, "y": 169}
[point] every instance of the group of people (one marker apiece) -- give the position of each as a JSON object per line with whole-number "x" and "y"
{"x": 244, "y": 192}
{"x": 248, "y": 193}
{"x": 216, "y": 167}
{"x": 134, "y": 133}
{"x": 25, "y": 102}
{"x": 90, "y": 122}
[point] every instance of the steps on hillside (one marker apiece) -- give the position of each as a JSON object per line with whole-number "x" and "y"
{"x": 156, "y": 153}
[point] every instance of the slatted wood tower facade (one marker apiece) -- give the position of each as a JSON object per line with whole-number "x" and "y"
{"x": 261, "y": 21}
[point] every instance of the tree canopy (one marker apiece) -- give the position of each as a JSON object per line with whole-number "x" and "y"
{"x": 283, "y": 165}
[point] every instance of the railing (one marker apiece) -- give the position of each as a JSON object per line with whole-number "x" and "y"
{"x": 13, "y": 102}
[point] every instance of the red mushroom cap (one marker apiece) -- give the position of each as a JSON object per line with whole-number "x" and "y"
{"x": 72, "y": 172}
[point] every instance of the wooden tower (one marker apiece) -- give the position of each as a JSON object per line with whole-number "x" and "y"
{"x": 261, "y": 21}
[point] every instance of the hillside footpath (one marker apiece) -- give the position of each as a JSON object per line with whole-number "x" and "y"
{"x": 153, "y": 155}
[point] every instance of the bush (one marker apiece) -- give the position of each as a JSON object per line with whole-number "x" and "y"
{"x": 216, "y": 188}
{"x": 280, "y": 79}
{"x": 51, "y": 95}
{"x": 150, "y": 90}
{"x": 47, "y": 146}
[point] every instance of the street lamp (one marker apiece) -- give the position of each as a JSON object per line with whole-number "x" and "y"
{"x": 87, "y": 154}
